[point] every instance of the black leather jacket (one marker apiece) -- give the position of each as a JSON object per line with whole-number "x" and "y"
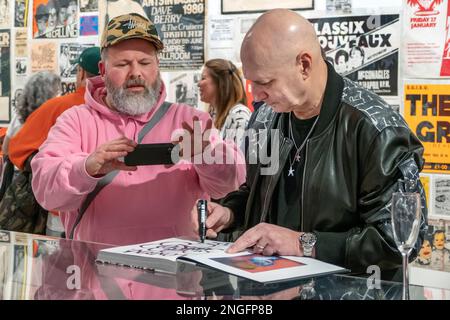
{"x": 354, "y": 159}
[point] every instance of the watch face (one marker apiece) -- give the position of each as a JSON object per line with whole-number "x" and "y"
{"x": 308, "y": 239}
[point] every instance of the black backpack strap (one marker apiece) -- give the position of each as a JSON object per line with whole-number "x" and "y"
{"x": 7, "y": 176}
{"x": 110, "y": 176}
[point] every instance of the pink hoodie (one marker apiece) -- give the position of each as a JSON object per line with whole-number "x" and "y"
{"x": 151, "y": 203}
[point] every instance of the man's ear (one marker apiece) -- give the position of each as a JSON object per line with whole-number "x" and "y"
{"x": 101, "y": 68}
{"x": 304, "y": 63}
{"x": 82, "y": 73}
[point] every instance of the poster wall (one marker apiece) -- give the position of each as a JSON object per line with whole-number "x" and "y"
{"x": 426, "y": 39}
{"x": 181, "y": 26}
{"x": 363, "y": 48}
{"x": 240, "y": 6}
{"x": 427, "y": 112}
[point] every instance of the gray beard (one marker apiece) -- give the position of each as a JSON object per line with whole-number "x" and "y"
{"x": 131, "y": 103}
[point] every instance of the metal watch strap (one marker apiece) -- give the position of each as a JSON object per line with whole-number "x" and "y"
{"x": 307, "y": 251}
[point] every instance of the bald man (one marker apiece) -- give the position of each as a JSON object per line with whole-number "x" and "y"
{"x": 341, "y": 152}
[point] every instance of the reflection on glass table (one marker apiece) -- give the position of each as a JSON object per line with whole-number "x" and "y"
{"x": 45, "y": 268}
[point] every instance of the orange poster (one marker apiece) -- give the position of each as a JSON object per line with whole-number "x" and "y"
{"x": 54, "y": 19}
{"x": 426, "y": 187}
{"x": 427, "y": 111}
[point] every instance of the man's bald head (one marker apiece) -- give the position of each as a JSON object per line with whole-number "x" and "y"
{"x": 282, "y": 58}
{"x": 278, "y": 36}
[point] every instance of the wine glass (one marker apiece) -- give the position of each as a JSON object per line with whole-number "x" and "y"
{"x": 405, "y": 212}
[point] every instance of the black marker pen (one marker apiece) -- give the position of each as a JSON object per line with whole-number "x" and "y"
{"x": 201, "y": 210}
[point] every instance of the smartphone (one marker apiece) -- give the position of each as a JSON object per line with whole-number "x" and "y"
{"x": 151, "y": 154}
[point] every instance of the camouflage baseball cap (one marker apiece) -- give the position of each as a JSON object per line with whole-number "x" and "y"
{"x": 130, "y": 26}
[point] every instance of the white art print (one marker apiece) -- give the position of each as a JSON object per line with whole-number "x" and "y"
{"x": 441, "y": 199}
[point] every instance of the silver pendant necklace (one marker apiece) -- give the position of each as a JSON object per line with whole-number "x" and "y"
{"x": 298, "y": 149}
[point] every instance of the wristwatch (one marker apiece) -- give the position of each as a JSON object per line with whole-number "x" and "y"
{"x": 307, "y": 241}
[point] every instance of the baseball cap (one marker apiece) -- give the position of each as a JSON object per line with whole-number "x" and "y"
{"x": 129, "y": 26}
{"x": 89, "y": 60}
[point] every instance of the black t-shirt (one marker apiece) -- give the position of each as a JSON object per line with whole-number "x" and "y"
{"x": 287, "y": 201}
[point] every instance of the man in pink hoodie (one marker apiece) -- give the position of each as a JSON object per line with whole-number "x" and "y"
{"x": 143, "y": 203}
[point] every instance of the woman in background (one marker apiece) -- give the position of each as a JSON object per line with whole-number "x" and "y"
{"x": 222, "y": 88}
{"x": 17, "y": 208}
{"x": 40, "y": 87}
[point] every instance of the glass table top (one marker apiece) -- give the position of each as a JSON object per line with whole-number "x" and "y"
{"x": 34, "y": 267}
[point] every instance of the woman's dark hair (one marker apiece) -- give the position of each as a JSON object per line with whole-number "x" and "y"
{"x": 230, "y": 89}
{"x": 341, "y": 52}
{"x": 353, "y": 49}
{"x": 41, "y": 87}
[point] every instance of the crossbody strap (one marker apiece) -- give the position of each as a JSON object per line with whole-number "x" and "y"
{"x": 110, "y": 176}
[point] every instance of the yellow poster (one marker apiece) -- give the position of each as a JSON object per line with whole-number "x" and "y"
{"x": 426, "y": 187}
{"x": 427, "y": 111}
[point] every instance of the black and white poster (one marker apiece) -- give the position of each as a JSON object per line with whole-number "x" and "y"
{"x": 183, "y": 87}
{"x": 69, "y": 53}
{"x": 182, "y": 29}
{"x": 20, "y": 10}
{"x": 21, "y": 66}
{"x": 442, "y": 196}
{"x": 5, "y": 76}
{"x": 363, "y": 48}
{"x": 338, "y": 6}
{"x": 88, "y": 5}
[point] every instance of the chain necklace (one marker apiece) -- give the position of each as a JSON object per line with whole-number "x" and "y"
{"x": 299, "y": 149}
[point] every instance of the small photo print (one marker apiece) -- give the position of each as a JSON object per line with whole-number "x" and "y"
{"x": 21, "y": 66}
{"x": 4, "y": 236}
{"x": 442, "y": 196}
{"x": 255, "y": 263}
{"x": 88, "y": 5}
{"x": 89, "y": 25}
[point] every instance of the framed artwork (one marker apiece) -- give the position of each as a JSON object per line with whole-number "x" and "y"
{"x": 246, "y": 6}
